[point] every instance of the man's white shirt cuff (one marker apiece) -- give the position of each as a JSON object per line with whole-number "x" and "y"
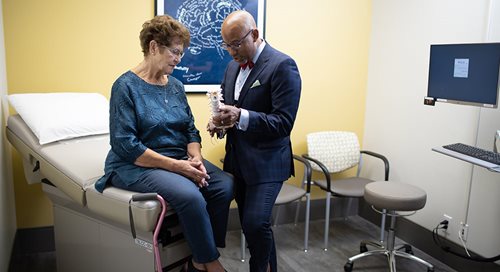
{"x": 244, "y": 118}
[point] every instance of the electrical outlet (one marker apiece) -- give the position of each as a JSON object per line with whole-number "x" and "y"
{"x": 464, "y": 231}
{"x": 444, "y": 228}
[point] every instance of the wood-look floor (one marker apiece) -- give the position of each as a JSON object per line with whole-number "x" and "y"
{"x": 344, "y": 239}
{"x": 345, "y": 236}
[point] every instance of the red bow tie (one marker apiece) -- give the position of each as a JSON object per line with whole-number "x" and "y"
{"x": 249, "y": 63}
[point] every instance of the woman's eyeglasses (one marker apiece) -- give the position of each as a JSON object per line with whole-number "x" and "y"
{"x": 174, "y": 51}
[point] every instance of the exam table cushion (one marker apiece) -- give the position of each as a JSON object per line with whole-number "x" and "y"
{"x": 116, "y": 203}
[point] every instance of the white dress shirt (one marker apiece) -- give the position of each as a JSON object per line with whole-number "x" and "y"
{"x": 240, "y": 81}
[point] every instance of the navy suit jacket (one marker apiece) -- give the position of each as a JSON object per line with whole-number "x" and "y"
{"x": 271, "y": 95}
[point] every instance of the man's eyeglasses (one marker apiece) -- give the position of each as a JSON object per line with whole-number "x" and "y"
{"x": 236, "y": 44}
{"x": 174, "y": 51}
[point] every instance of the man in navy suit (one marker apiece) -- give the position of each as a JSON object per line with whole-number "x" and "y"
{"x": 261, "y": 91}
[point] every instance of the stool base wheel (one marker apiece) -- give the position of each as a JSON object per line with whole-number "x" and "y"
{"x": 348, "y": 266}
{"x": 363, "y": 248}
{"x": 408, "y": 249}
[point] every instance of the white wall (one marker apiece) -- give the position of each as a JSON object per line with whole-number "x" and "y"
{"x": 399, "y": 125}
{"x": 485, "y": 191}
{"x": 7, "y": 208}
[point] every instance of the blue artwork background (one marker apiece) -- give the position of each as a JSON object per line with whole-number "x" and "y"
{"x": 204, "y": 61}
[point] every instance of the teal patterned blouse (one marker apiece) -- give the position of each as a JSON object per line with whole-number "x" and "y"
{"x": 143, "y": 115}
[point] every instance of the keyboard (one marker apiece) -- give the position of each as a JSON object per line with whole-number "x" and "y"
{"x": 475, "y": 152}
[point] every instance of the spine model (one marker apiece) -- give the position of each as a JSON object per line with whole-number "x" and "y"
{"x": 214, "y": 102}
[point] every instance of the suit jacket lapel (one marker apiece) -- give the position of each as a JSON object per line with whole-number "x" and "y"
{"x": 255, "y": 72}
{"x": 232, "y": 74}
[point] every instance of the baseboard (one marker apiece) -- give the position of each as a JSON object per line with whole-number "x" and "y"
{"x": 421, "y": 238}
{"x": 33, "y": 240}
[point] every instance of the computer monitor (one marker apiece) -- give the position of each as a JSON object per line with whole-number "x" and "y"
{"x": 464, "y": 74}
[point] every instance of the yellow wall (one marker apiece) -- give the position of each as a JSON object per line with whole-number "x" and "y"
{"x": 74, "y": 45}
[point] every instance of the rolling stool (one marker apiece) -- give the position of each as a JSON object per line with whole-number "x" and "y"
{"x": 392, "y": 197}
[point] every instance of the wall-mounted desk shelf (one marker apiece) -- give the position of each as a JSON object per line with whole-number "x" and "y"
{"x": 488, "y": 165}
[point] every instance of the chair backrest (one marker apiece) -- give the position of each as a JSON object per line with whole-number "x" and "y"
{"x": 337, "y": 150}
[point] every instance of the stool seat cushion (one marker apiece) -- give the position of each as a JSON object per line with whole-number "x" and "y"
{"x": 395, "y": 196}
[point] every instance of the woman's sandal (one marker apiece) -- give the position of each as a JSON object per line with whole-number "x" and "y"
{"x": 184, "y": 267}
{"x": 191, "y": 268}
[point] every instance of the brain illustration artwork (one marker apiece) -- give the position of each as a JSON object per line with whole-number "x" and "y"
{"x": 204, "y": 19}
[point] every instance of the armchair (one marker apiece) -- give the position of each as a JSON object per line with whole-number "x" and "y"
{"x": 333, "y": 152}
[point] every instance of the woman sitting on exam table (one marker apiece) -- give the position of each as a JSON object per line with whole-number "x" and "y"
{"x": 155, "y": 146}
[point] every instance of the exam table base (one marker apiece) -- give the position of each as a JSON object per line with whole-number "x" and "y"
{"x": 86, "y": 242}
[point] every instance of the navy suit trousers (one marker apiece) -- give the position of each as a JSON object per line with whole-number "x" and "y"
{"x": 255, "y": 206}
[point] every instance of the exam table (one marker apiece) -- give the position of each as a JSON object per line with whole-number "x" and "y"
{"x": 94, "y": 231}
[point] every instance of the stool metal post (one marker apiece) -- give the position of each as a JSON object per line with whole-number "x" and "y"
{"x": 391, "y": 236}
